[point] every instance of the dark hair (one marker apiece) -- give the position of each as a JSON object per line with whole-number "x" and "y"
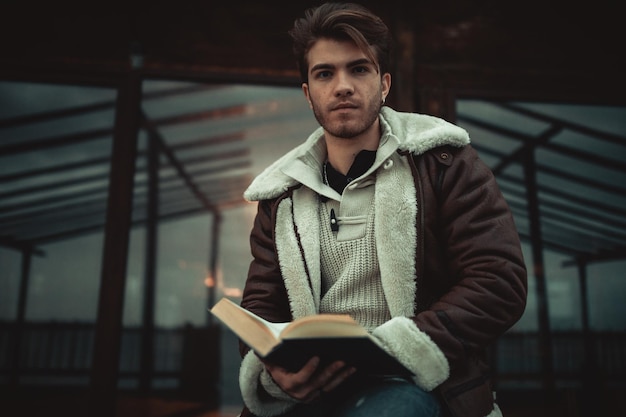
{"x": 341, "y": 21}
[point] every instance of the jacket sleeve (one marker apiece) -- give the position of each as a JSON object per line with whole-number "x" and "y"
{"x": 471, "y": 281}
{"x": 264, "y": 293}
{"x": 481, "y": 273}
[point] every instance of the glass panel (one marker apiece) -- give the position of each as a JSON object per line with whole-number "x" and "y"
{"x": 579, "y": 152}
{"x": 54, "y": 162}
{"x": 213, "y": 139}
{"x": 222, "y": 136}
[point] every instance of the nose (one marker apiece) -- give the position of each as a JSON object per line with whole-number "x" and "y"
{"x": 343, "y": 85}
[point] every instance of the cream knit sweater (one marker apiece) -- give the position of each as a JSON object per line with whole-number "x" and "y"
{"x": 351, "y": 281}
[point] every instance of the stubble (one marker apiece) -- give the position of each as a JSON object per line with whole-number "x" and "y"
{"x": 347, "y": 127}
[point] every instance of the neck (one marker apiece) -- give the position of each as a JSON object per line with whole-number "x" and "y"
{"x": 342, "y": 151}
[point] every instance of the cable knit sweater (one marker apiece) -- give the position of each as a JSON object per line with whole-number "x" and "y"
{"x": 349, "y": 261}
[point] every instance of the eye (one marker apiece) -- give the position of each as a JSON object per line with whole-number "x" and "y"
{"x": 321, "y": 75}
{"x": 360, "y": 69}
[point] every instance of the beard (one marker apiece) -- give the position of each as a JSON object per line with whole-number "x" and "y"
{"x": 348, "y": 126}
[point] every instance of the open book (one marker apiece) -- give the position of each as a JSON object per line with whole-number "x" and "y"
{"x": 329, "y": 336}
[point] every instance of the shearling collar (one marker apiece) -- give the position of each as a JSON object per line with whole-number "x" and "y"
{"x": 416, "y": 133}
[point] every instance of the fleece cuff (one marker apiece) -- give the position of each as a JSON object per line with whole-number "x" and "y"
{"x": 415, "y": 350}
{"x": 496, "y": 412}
{"x": 259, "y": 392}
{"x": 272, "y": 387}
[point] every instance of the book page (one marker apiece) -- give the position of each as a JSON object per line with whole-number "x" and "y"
{"x": 323, "y": 325}
{"x": 275, "y": 328}
{"x": 250, "y": 328}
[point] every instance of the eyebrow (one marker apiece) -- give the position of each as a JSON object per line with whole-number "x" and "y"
{"x": 360, "y": 61}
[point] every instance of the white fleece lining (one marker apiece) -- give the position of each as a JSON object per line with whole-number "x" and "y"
{"x": 415, "y": 350}
{"x": 496, "y": 412}
{"x": 395, "y": 231}
{"x": 306, "y": 218}
{"x": 417, "y": 133}
{"x": 272, "y": 388}
{"x": 292, "y": 268}
{"x": 249, "y": 384}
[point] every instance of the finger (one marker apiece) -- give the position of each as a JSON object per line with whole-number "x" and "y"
{"x": 314, "y": 395}
{"x": 299, "y": 385}
{"x": 329, "y": 372}
{"x": 329, "y": 379}
{"x": 310, "y": 367}
{"x": 339, "y": 378}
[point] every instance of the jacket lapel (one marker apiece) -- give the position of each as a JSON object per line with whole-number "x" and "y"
{"x": 396, "y": 234}
{"x": 297, "y": 232}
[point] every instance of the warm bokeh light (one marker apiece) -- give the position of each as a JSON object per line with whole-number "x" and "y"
{"x": 233, "y": 292}
{"x": 209, "y": 281}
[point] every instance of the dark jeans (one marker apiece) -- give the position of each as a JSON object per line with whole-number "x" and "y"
{"x": 372, "y": 398}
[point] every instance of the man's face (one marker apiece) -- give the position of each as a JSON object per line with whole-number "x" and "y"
{"x": 345, "y": 89}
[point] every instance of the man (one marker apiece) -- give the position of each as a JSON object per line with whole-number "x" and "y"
{"x": 389, "y": 217}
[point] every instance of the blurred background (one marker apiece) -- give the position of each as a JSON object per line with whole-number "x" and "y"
{"x": 129, "y": 133}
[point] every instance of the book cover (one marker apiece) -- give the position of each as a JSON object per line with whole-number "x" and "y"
{"x": 329, "y": 336}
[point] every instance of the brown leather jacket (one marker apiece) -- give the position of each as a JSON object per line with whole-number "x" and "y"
{"x": 470, "y": 276}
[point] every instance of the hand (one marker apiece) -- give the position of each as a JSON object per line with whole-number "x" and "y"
{"x": 310, "y": 383}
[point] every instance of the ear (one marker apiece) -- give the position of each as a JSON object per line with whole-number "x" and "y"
{"x": 386, "y": 82}
{"x": 305, "y": 90}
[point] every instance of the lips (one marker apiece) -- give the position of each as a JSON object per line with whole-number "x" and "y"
{"x": 345, "y": 106}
